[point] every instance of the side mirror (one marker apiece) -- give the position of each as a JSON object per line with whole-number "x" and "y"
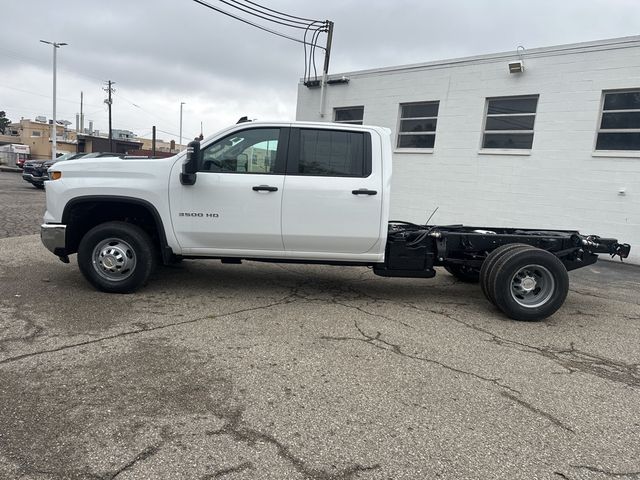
{"x": 190, "y": 167}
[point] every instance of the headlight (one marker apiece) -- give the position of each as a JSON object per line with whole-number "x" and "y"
{"x": 55, "y": 175}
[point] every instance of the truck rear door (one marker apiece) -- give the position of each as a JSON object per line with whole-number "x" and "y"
{"x": 332, "y": 199}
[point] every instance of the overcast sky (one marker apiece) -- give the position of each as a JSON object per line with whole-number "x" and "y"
{"x": 163, "y": 52}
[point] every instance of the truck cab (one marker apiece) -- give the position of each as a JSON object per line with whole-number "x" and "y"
{"x": 298, "y": 191}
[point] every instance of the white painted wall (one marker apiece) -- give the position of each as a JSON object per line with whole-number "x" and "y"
{"x": 561, "y": 184}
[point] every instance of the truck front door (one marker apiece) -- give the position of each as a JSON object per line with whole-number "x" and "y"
{"x": 236, "y": 202}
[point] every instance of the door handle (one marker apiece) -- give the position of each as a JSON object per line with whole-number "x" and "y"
{"x": 264, "y": 188}
{"x": 364, "y": 191}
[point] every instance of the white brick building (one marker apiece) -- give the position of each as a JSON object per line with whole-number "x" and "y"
{"x": 548, "y": 158}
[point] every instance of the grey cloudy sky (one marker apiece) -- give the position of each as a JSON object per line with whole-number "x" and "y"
{"x": 163, "y": 52}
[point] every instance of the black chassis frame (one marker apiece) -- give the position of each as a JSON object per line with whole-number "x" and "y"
{"x": 413, "y": 250}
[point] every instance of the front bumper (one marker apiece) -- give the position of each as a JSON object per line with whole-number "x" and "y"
{"x": 53, "y": 237}
{"x": 33, "y": 179}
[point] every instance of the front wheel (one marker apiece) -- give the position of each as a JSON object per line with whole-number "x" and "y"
{"x": 116, "y": 257}
{"x": 529, "y": 284}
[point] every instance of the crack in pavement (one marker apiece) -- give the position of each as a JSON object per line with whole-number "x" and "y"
{"x": 66, "y": 474}
{"x": 142, "y": 456}
{"x": 574, "y": 360}
{"x": 570, "y": 359}
{"x": 336, "y": 300}
{"x": 597, "y": 295}
{"x": 609, "y": 472}
{"x": 537, "y": 411}
{"x": 32, "y": 330}
{"x": 250, "y": 436}
{"x": 148, "y": 452}
{"x": 562, "y": 475}
{"x": 378, "y": 342}
{"x": 226, "y": 471}
{"x": 282, "y": 301}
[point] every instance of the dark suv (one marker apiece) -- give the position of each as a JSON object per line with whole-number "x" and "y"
{"x": 35, "y": 171}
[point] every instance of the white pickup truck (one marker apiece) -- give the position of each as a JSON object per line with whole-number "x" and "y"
{"x": 291, "y": 192}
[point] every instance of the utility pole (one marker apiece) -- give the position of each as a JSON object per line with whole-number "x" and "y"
{"x": 81, "y": 114}
{"x": 54, "y": 127}
{"x": 180, "y": 145}
{"x": 109, "y": 89}
{"x": 153, "y": 141}
{"x": 325, "y": 70}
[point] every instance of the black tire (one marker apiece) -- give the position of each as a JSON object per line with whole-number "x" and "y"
{"x": 116, "y": 257}
{"x": 464, "y": 273}
{"x": 489, "y": 262}
{"x": 39, "y": 186}
{"x": 529, "y": 284}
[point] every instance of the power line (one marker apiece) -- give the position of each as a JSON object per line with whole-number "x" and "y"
{"x": 43, "y": 95}
{"x": 271, "y": 18}
{"x": 279, "y": 34}
{"x": 279, "y": 13}
{"x": 164, "y": 120}
{"x": 307, "y": 62}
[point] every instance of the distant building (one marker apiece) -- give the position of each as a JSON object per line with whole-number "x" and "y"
{"x": 548, "y": 138}
{"x": 37, "y": 135}
{"x": 123, "y": 134}
{"x": 161, "y": 145}
{"x": 92, "y": 143}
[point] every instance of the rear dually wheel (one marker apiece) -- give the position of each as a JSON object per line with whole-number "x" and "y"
{"x": 529, "y": 284}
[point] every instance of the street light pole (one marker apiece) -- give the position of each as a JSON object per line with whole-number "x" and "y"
{"x": 54, "y": 127}
{"x": 180, "y": 144}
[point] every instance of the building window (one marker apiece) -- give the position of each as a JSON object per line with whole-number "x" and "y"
{"x": 418, "y": 125}
{"x": 36, "y": 133}
{"x": 509, "y": 122}
{"x": 620, "y": 121}
{"x": 352, "y": 115}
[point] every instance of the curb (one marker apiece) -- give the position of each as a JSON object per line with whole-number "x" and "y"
{"x": 5, "y": 168}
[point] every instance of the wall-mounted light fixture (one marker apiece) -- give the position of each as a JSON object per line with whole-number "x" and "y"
{"x": 518, "y": 65}
{"x": 338, "y": 81}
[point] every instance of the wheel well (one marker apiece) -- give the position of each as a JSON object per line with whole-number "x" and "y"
{"x": 82, "y": 216}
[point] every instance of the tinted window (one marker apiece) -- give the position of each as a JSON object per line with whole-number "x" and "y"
{"x": 618, "y": 141}
{"x": 352, "y": 115}
{"x": 249, "y": 151}
{"x": 418, "y": 123}
{"x": 622, "y": 101}
{"x": 508, "y": 140}
{"x": 512, "y": 105}
{"x": 331, "y": 153}
{"x": 509, "y": 123}
{"x": 620, "y": 122}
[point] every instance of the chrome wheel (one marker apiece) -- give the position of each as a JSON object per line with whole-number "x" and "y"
{"x": 114, "y": 259}
{"x": 532, "y": 286}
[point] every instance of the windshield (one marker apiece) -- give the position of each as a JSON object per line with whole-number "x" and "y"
{"x": 66, "y": 156}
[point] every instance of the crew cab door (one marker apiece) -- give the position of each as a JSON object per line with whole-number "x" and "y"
{"x": 234, "y": 207}
{"x": 332, "y": 201}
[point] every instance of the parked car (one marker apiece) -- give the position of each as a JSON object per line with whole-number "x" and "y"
{"x": 35, "y": 171}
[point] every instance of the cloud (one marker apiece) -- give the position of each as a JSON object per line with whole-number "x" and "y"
{"x": 162, "y": 53}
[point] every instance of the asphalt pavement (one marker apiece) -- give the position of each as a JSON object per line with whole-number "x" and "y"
{"x": 264, "y": 371}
